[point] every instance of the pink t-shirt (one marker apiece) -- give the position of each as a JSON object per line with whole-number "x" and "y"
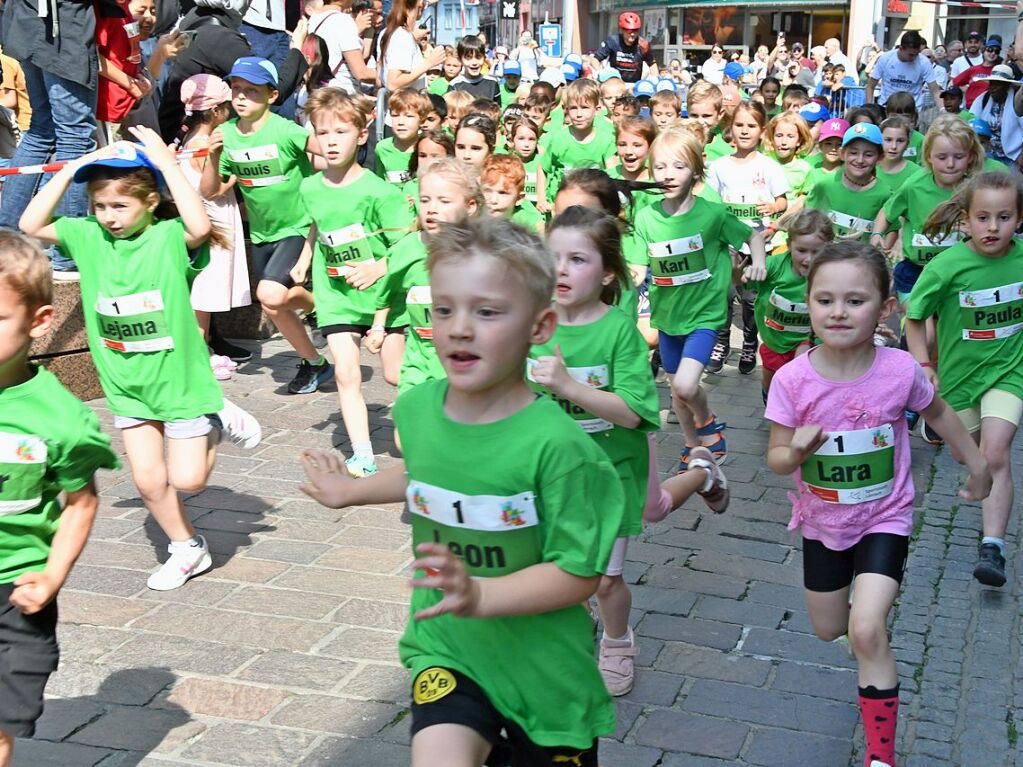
{"x": 864, "y": 418}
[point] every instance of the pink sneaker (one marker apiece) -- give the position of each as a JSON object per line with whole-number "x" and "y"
{"x": 223, "y": 367}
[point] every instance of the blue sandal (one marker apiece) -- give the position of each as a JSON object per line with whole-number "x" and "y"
{"x": 716, "y": 446}
{"x": 683, "y": 459}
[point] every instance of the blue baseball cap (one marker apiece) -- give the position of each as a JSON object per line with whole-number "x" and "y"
{"x": 814, "y": 112}
{"x": 575, "y": 59}
{"x": 569, "y": 72}
{"x": 608, "y": 74}
{"x": 255, "y": 70}
{"x": 644, "y": 88}
{"x": 666, "y": 84}
{"x": 126, "y": 156}
{"x": 866, "y": 132}
{"x": 733, "y": 70}
{"x": 980, "y": 127}
{"x": 512, "y": 68}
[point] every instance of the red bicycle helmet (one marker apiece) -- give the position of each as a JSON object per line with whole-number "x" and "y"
{"x": 630, "y": 22}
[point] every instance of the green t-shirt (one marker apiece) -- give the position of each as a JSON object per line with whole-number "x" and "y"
{"x": 783, "y": 317}
{"x": 531, "y": 167}
{"x": 411, "y": 191}
{"x": 979, "y": 304}
{"x": 690, "y": 267}
{"x": 915, "y": 150}
{"x": 641, "y": 198}
{"x": 717, "y": 147}
{"x": 851, "y": 211}
{"x": 392, "y": 163}
{"x": 407, "y": 286}
{"x": 814, "y": 159}
{"x": 50, "y": 443}
{"x": 508, "y": 97}
{"x": 914, "y": 202}
{"x": 566, "y": 152}
{"x": 355, "y": 222}
{"x": 526, "y": 215}
{"x": 537, "y": 490}
{"x": 896, "y": 180}
{"x": 439, "y": 86}
{"x": 152, "y": 361}
{"x": 270, "y": 164}
{"x": 967, "y": 115}
{"x": 796, "y": 171}
{"x": 610, "y": 354}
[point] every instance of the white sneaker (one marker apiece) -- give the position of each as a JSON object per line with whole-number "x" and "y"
{"x": 185, "y": 561}
{"x": 239, "y": 426}
{"x": 879, "y": 763}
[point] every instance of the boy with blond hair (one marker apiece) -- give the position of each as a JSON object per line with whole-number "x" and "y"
{"x": 665, "y": 109}
{"x": 705, "y": 103}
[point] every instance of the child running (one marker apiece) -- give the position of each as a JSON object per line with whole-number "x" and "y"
{"x": 509, "y": 544}
{"x": 839, "y": 426}
{"x": 687, "y": 240}
{"x": 894, "y": 167}
{"x": 152, "y": 363}
{"x": 782, "y": 314}
{"x": 786, "y": 141}
{"x": 356, "y": 216}
{"x": 594, "y": 367}
{"x": 51, "y": 448}
{"x": 523, "y": 138}
{"x": 975, "y": 289}
{"x": 475, "y": 139}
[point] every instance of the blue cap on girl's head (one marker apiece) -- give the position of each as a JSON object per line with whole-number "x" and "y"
{"x": 666, "y": 84}
{"x": 126, "y": 155}
{"x": 982, "y": 128}
{"x": 644, "y": 88}
{"x": 814, "y": 112}
{"x": 863, "y": 131}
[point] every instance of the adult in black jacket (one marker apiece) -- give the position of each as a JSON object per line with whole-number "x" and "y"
{"x": 627, "y": 51}
{"x": 215, "y": 48}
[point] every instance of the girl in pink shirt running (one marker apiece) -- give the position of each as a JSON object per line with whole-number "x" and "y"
{"x": 839, "y": 427}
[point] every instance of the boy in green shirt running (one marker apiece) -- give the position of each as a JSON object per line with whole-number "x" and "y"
{"x": 50, "y": 444}
{"x": 504, "y": 191}
{"x": 510, "y": 81}
{"x": 704, "y": 103}
{"x": 509, "y": 543}
{"x": 408, "y": 108}
{"x": 268, "y": 156}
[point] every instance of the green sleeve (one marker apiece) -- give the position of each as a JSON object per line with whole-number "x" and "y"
{"x": 395, "y": 214}
{"x": 297, "y": 136}
{"x": 634, "y": 249}
{"x": 929, "y": 290}
{"x": 817, "y": 198}
{"x": 641, "y": 251}
{"x": 73, "y": 236}
{"x": 632, "y": 382}
{"x": 897, "y": 206}
{"x": 77, "y": 461}
{"x": 400, "y": 258}
{"x": 734, "y": 232}
{"x": 378, "y": 166}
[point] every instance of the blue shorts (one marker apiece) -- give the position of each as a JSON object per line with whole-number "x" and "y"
{"x": 905, "y": 273}
{"x": 696, "y": 346}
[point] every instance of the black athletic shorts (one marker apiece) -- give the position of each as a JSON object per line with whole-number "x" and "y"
{"x": 28, "y": 655}
{"x": 825, "y": 569}
{"x": 359, "y": 330}
{"x": 273, "y": 261}
{"x": 444, "y": 696}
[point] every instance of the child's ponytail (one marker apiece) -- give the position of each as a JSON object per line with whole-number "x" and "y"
{"x": 947, "y": 216}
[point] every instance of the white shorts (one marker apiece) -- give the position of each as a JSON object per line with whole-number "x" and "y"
{"x": 616, "y": 562}
{"x": 187, "y": 428}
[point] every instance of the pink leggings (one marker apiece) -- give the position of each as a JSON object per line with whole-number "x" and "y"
{"x": 658, "y": 500}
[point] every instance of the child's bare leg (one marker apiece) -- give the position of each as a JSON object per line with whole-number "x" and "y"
{"x": 996, "y": 437}
{"x": 682, "y": 486}
{"x": 614, "y": 600}
{"x": 829, "y": 612}
{"x": 449, "y": 745}
{"x": 345, "y": 349}
{"x": 299, "y": 299}
{"x": 391, "y": 352}
{"x": 689, "y": 399}
{"x": 190, "y": 461}
{"x": 6, "y": 748}
{"x": 144, "y": 447}
{"x": 873, "y": 597}
{"x": 203, "y": 320}
{"x": 274, "y": 298}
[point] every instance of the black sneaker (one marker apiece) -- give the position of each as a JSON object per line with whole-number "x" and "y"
{"x": 310, "y": 377}
{"x": 929, "y": 435}
{"x": 225, "y": 348}
{"x": 655, "y": 363}
{"x": 717, "y": 358}
{"x": 990, "y": 569}
{"x": 747, "y": 359}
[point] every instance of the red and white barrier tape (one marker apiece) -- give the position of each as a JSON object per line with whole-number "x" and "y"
{"x": 53, "y": 167}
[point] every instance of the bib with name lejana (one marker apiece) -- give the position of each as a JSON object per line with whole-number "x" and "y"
{"x": 419, "y": 304}
{"x": 853, "y": 466}
{"x": 593, "y": 376}
{"x": 257, "y": 166}
{"x": 678, "y": 262}
{"x": 787, "y": 316}
{"x": 344, "y": 247}
{"x": 134, "y": 323}
{"x": 22, "y": 469}
{"x": 989, "y": 315}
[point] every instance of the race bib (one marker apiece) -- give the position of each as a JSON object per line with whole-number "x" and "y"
{"x": 398, "y": 176}
{"x": 678, "y": 262}
{"x": 744, "y": 211}
{"x": 258, "y": 166}
{"x": 343, "y": 247}
{"x": 988, "y": 315}
{"x": 910, "y": 152}
{"x": 923, "y": 248}
{"x": 419, "y": 304}
{"x": 22, "y": 469}
{"x": 787, "y": 316}
{"x": 531, "y": 186}
{"x": 487, "y": 513}
{"x": 134, "y": 323}
{"x": 850, "y": 223}
{"x": 853, "y": 466}
{"x": 593, "y": 376}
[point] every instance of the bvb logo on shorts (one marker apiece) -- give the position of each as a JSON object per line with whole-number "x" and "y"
{"x": 432, "y": 684}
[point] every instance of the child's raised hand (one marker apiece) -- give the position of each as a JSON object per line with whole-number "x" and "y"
{"x": 365, "y": 273}
{"x": 216, "y": 144}
{"x": 329, "y": 480}
{"x": 158, "y": 152}
{"x": 807, "y": 440}
{"x": 978, "y": 486}
{"x": 551, "y": 372}
{"x": 754, "y": 273}
{"x": 443, "y": 570}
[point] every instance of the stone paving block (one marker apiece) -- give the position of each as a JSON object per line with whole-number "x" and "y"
{"x": 626, "y": 714}
{"x": 338, "y": 716}
{"x": 722, "y": 636}
{"x": 703, "y": 541}
{"x": 700, "y": 735}
{"x": 747, "y": 569}
{"x": 743, "y": 613}
{"x": 180, "y": 654}
{"x": 308, "y": 510}
{"x": 227, "y": 700}
{"x": 338, "y": 752}
{"x": 772, "y": 708}
{"x": 99, "y": 610}
{"x": 296, "y": 552}
{"x": 388, "y": 616}
{"x": 112, "y": 529}
{"x": 364, "y": 644}
{"x": 297, "y": 670}
{"x": 796, "y": 647}
{"x": 688, "y": 760}
{"x": 112, "y": 581}
{"x": 271, "y": 601}
{"x": 671, "y": 577}
{"x": 615, "y": 754}
{"x": 655, "y": 687}
{"x": 225, "y": 521}
{"x": 666, "y": 601}
{"x": 243, "y": 745}
{"x": 41, "y": 753}
{"x": 375, "y": 681}
{"x": 705, "y": 663}
{"x": 202, "y": 591}
{"x": 366, "y": 561}
{"x": 375, "y": 539}
{"x": 301, "y": 529}
{"x": 772, "y": 748}
{"x": 63, "y": 716}
{"x": 384, "y": 518}
{"x": 87, "y": 643}
{"x": 101, "y": 683}
{"x": 830, "y": 683}
{"x": 240, "y": 569}
{"x": 140, "y": 729}
{"x": 345, "y": 583}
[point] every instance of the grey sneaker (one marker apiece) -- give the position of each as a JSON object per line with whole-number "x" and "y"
{"x": 990, "y": 569}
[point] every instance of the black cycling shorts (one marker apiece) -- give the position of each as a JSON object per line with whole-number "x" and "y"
{"x": 445, "y": 696}
{"x": 825, "y": 569}
{"x": 273, "y": 261}
{"x": 28, "y": 655}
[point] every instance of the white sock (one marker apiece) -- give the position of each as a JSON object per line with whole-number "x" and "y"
{"x": 624, "y": 641}
{"x": 999, "y": 542}
{"x": 363, "y": 450}
{"x": 186, "y": 544}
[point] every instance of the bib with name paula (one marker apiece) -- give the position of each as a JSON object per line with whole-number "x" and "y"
{"x": 989, "y": 315}
{"x": 853, "y": 466}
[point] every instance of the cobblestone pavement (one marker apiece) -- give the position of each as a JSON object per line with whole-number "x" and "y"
{"x": 286, "y": 653}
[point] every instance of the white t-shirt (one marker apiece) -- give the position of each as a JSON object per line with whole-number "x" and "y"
{"x": 338, "y": 30}
{"x": 746, "y": 183}
{"x": 964, "y": 62}
{"x": 266, "y": 14}
{"x": 404, "y": 55}
{"x": 897, "y": 75}
{"x": 713, "y": 72}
